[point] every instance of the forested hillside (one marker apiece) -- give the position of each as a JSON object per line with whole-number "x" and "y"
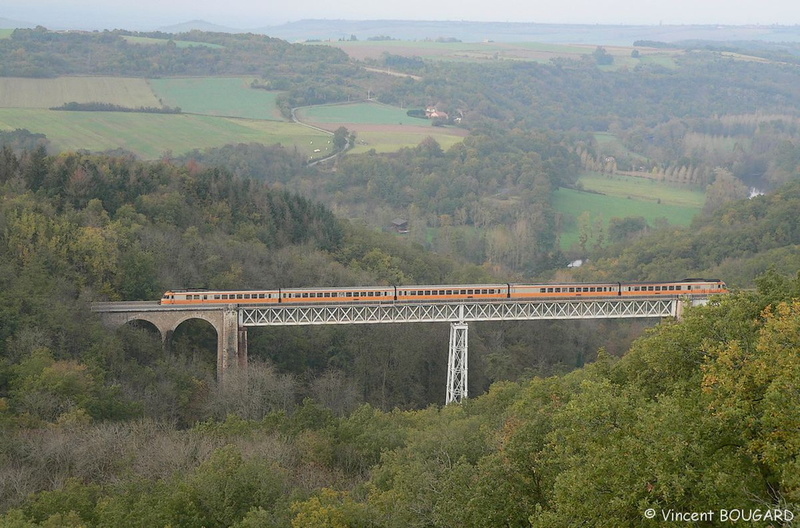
{"x": 699, "y": 416}
{"x": 488, "y": 199}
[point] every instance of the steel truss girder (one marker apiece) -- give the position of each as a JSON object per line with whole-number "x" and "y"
{"x": 292, "y": 315}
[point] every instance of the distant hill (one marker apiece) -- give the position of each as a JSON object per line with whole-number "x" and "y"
{"x": 8, "y": 23}
{"x": 523, "y": 32}
{"x": 200, "y": 25}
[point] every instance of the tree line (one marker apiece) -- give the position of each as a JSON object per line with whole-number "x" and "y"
{"x": 110, "y": 107}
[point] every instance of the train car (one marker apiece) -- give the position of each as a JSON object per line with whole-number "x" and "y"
{"x": 355, "y": 294}
{"x": 220, "y": 297}
{"x": 429, "y": 293}
{"x": 533, "y": 291}
{"x": 684, "y": 287}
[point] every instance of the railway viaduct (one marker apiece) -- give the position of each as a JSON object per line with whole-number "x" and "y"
{"x": 232, "y": 320}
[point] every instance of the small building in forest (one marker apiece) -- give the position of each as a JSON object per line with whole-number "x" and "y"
{"x": 400, "y": 225}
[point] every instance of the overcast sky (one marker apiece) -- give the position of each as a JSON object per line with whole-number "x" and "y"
{"x": 243, "y": 14}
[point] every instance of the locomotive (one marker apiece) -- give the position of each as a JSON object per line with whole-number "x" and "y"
{"x": 448, "y": 293}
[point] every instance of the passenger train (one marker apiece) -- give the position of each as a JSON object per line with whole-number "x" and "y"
{"x": 448, "y": 293}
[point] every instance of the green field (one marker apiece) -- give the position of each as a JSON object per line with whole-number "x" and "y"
{"x": 380, "y": 127}
{"x": 218, "y": 96}
{"x": 391, "y": 141}
{"x": 493, "y": 51}
{"x": 150, "y": 135}
{"x": 623, "y": 186}
{"x": 178, "y": 43}
{"x": 624, "y": 196}
{"x": 359, "y": 113}
{"x": 16, "y": 92}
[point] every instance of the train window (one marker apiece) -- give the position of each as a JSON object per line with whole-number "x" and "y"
{"x": 238, "y": 295}
{"x": 591, "y": 289}
{"x": 549, "y": 290}
{"x": 572, "y": 290}
{"x": 542, "y": 290}
{"x": 558, "y": 290}
{"x": 649, "y": 288}
{"x": 470, "y": 292}
{"x": 216, "y": 296}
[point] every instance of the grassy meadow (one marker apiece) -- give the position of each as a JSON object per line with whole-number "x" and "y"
{"x": 16, "y": 92}
{"x": 218, "y": 96}
{"x": 179, "y": 43}
{"x": 380, "y": 127}
{"x": 622, "y": 186}
{"x": 492, "y": 51}
{"x": 359, "y": 113}
{"x": 624, "y": 196}
{"x": 151, "y": 135}
{"x": 383, "y": 140}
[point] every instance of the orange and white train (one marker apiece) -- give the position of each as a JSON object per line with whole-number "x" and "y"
{"x": 447, "y": 293}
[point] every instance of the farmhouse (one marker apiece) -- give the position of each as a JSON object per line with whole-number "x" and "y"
{"x": 400, "y": 225}
{"x": 432, "y": 113}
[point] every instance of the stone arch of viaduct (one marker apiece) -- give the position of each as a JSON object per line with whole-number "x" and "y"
{"x": 231, "y": 339}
